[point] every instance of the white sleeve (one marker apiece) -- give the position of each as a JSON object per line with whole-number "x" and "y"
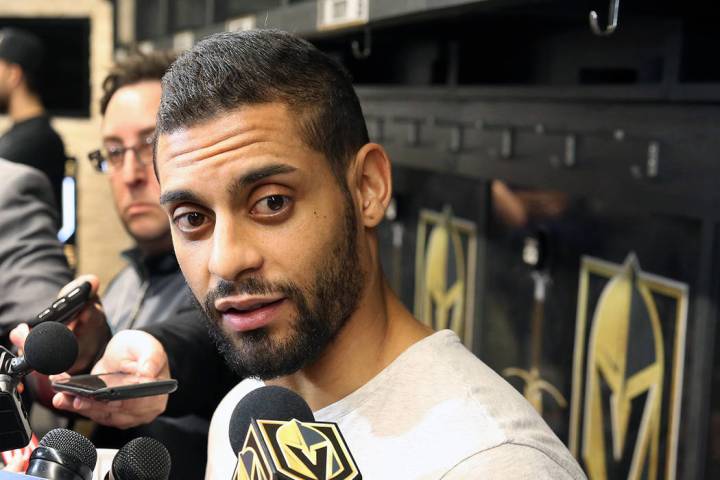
{"x": 513, "y": 462}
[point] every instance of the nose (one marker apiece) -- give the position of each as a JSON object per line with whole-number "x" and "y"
{"x": 234, "y": 253}
{"x": 133, "y": 172}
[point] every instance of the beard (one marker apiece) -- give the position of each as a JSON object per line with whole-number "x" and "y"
{"x": 322, "y": 309}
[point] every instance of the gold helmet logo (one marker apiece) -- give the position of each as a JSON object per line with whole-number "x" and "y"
{"x": 307, "y": 451}
{"x": 625, "y": 363}
{"x": 446, "y": 268}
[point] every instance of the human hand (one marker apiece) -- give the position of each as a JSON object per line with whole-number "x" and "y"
{"x": 130, "y": 351}
{"x": 16, "y": 465}
{"x": 89, "y": 326}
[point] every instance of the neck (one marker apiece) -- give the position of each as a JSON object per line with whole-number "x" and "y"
{"x": 155, "y": 247}
{"x": 24, "y": 105}
{"x": 376, "y": 334}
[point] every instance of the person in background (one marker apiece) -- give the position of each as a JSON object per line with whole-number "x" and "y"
{"x": 150, "y": 290}
{"x": 31, "y": 140}
{"x": 33, "y": 267}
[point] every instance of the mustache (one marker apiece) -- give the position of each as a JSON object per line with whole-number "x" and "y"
{"x": 248, "y": 286}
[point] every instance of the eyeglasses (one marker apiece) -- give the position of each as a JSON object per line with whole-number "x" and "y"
{"x": 110, "y": 158}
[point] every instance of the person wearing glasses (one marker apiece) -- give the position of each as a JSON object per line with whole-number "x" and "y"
{"x": 150, "y": 294}
{"x": 151, "y": 289}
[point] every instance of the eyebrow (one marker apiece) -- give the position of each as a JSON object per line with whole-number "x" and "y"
{"x": 258, "y": 174}
{"x": 246, "y": 180}
{"x": 179, "y": 196}
{"x": 142, "y": 133}
{"x": 254, "y": 176}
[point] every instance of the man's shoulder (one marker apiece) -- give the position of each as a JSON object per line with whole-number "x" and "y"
{"x": 438, "y": 392}
{"x": 21, "y": 183}
{"x": 11, "y": 173}
{"x": 516, "y": 461}
{"x": 441, "y": 363}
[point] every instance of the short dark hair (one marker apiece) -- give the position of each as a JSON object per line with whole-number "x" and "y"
{"x": 26, "y": 50}
{"x": 231, "y": 69}
{"x": 135, "y": 68}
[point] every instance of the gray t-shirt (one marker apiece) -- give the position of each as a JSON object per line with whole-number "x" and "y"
{"x": 436, "y": 412}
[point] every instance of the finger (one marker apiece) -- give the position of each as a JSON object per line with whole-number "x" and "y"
{"x": 15, "y": 465}
{"x": 58, "y": 377}
{"x": 63, "y": 401}
{"x": 90, "y": 314}
{"x": 152, "y": 367}
{"x": 124, "y": 365}
{"x": 120, "y": 414}
{"x": 19, "y": 334}
{"x": 84, "y": 406}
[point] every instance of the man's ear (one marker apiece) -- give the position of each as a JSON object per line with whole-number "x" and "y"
{"x": 372, "y": 183}
{"x": 15, "y": 75}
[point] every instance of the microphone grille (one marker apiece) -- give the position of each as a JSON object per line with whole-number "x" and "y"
{"x": 51, "y": 348}
{"x": 266, "y": 403}
{"x": 143, "y": 458}
{"x": 72, "y": 444}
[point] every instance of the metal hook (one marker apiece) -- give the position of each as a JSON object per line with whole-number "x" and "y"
{"x": 612, "y": 20}
{"x": 367, "y": 48}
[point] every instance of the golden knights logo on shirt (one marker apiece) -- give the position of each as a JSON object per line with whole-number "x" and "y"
{"x": 295, "y": 450}
{"x": 627, "y": 371}
{"x": 445, "y": 266}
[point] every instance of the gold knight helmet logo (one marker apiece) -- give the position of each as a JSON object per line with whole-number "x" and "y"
{"x": 445, "y": 266}
{"x": 625, "y": 363}
{"x": 294, "y": 450}
{"x": 308, "y": 451}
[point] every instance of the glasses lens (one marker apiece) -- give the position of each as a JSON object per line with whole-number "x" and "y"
{"x": 145, "y": 152}
{"x": 115, "y": 156}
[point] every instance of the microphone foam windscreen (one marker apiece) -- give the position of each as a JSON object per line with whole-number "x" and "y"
{"x": 72, "y": 444}
{"x": 266, "y": 403}
{"x": 143, "y": 458}
{"x": 51, "y": 348}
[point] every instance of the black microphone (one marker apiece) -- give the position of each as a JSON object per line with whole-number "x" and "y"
{"x": 276, "y": 437}
{"x": 143, "y": 458}
{"x": 50, "y": 348}
{"x": 63, "y": 455}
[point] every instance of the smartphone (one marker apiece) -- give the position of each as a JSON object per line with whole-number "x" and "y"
{"x": 64, "y": 309}
{"x": 114, "y": 386}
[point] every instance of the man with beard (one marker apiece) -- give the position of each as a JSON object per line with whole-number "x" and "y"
{"x": 274, "y": 193}
{"x": 31, "y": 140}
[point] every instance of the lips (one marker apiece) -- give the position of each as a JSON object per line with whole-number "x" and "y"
{"x": 140, "y": 207}
{"x": 249, "y": 314}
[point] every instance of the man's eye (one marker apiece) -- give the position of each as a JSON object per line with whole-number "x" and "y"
{"x": 271, "y": 205}
{"x": 190, "y": 221}
{"x": 115, "y": 152}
